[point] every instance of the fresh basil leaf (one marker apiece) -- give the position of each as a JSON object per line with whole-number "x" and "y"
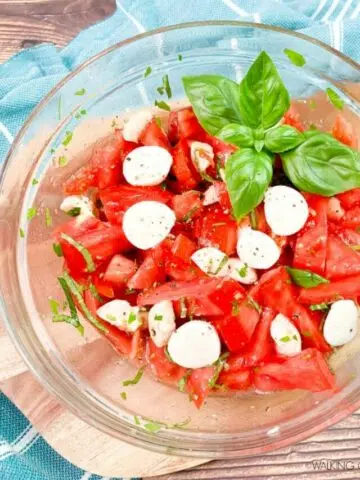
{"x": 335, "y": 99}
{"x": 305, "y": 278}
{"x": 295, "y": 57}
{"x": 283, "y": 138}
{"x": 322, "y": 165}
{"x": 263, "y": 96}
{"x": 215, "y": 100}
{"x": 237, "y": 134}
{"x": 248, "y": 174}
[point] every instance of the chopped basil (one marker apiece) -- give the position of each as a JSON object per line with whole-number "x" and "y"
{"x": 182, "y": 382}
{"x": 48, "y": 217}
{"x": 252, "y": 303}
{"x": 94, "y": 292}
{"x": 110, "y": 317}
{"x": 253, "y": 219}
{"x": 183, "y": 308}
{"x": 219, "y": 365}
{"x": 305, "y": 278}
{"x": 153, "y": 427}
{"x": 67, "y": 139}
{"x": 158, "y": 318}
{"x": 73, "y": 318}
{"x": 54, "y": 306}
{"x": 188, "y": 216}
{"x": 163, "y": 105}
{"x": 166, "y": 85}
{"x": 136, "y": 379}
{"x": 180, "y": 57}
{"x": 285, "y": 339}
{"x": 57, "y": 249}
{"x": 62, "y": 161}
{"x": 312, "y": 104}
{"x": 80, "y": 92}
{"x": 295, "y": 57}
{"x": 335, "y": 99}
{"x": 34, "y": 181}
{"x": 31, "y": 213}
{"x": 221, "y": 265}
{"x": 136, "y": 420}
{"x": 132, "y": 317}
{"x": 76, "y": 291}
{"x": 294, "y": 337}
{"x": 181, "y": 424}
{"x": 22, "y": 233}
{"x": 235, "y": 307}
{"x": 306, "y": 333}
{"x": 147, "y": 72}
{"x": 160, "y": 90}
{"x": 90, "y": 265}
{"x": 52, "y": 150}
{"x": 158, "y": 121}
{"x": 163, "y": 185}
{"x": 167, "y": 355}
{"x": 243, "y": 271}
{"x": 319, "y": 306}
{"x": 74, "y": 212}
{"x": 123, "y": 395}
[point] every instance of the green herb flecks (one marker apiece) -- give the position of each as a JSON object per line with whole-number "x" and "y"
{"x": 132, "y": 318}
{"x": 153, "y": 427}
{"x": 80, "y": 92}
{"x": 31, "y": 213}
{"x": 136, "y": 420}
{"x": 57, "y": 249}
{"x": 235, "y": 307}
{"x": 183, "y": 381}
{"x": 136, "y": 379}
{"x": 48, "y": 217}
{"x": 243, "y": 271}
{"x": 67, "y": 139}
{"x": 94, "y": 292}
{"x": 253, "y": 304}
{"x": 180, "y": 57}
{"x": 163, "y": 105}
{"x": 222, "y": 264}
{"x": 34, "y": 181}
{"x": 166, "y": 85}
{"x": 21, "y": 233}
{"x": 90, "y": 265}
{"x": 74, "y": 212}
{"x": 167, "y": 355}
{"x": 189, "y": 215}
{"x": 62, "y": 161}
{"x": 295, "y": 57}
{"x": 285, "y": 339}
{"x": 335, "y": 99}
{"x": 73, "y": 318}
{"x": 219, "y": 365}
{"x": 123, "y": 395}
{"x": 54, "y": 306}
{"x": 111, "y": 318}
{"x": 158, "y": 318}
{"x": 323, "y": 307}
{"x": 305, "y": 278}
{"x": 147, "y": 72}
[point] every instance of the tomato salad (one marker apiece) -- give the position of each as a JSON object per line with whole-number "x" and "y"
{"x": 220, "y": 252}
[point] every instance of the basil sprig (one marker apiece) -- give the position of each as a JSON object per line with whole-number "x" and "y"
{"x": 305, "y": 278}
{"x": 247, "y": 115}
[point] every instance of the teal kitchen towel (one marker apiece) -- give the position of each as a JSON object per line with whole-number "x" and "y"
{"x": 29, "y": 75}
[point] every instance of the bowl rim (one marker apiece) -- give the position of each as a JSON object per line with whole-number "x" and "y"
{"x": 131, "y": 434}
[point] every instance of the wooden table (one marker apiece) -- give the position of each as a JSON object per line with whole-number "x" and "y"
{"x": 24, "y": 23}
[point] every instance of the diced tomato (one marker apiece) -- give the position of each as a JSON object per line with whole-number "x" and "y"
{"x": 153, "y": 135}
{"x": 345, "y": 288}
{"x": 350, "y": 237}
{"x": 277, "y": 293}
{"x": 240, "y": 380}
{"x": 81, "y": 181}
{"x": 182, "y": 168}
{"x": 181, "y": 270}
{"x": 259, "y": 348}
{"x": 231, "y": 292}
{"x": 119, "y": 270}
{"x": 310, "y": 248}
{"x": 198, "y": 384}
{"x": 102, "y": 243}
{"x": 160, "y": 364}
{"x": 350, "y": 199}
{"x": 173, "y": 127}
{"x": 183, "y": 247}
{"x": 152, "y": 270}
{"x": 116, "y": 200}
{"x": 187, "y": 124}
{"x": 221, "y": 149}
{"x": 344, "y": 131}
{"x": 217, "y": 229}
{"x": 351, "y": 219}
{"x": 187, "y": 205}
{"x": 202, "y": 306}
{"x": 308, "y": 371}
{"x": 292, "y": 118}
{"x": 341, "y": 260}
{"x": 78, "y": 226}
{"x": 103, "y": 288}
{"x": 223, "y": 194}
{"x": 176, "y": 290}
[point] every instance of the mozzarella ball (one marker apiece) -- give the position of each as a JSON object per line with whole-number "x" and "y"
{"x": 257, "y": 249}
{"x": 341, "y": 323}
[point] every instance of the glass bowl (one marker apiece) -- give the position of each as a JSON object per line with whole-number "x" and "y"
{"x": 85, "y": 373}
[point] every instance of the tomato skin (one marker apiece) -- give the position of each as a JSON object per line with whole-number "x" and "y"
{"x": 344, "y": 131}
{"x": 277, "y": 292}
{"x": 116, "y": 200}
{"x": 80, "y": 181}
{"x": 347, "y": 235}
{"x": 198, "y": 384}
{"x": 153, "y": 135}
{"x": 183, "y": 247}
{"x": 187, "y": 205}
{"x": 119, "y": 270}
{"x": 348, "y": 287}
{"x": 231, "y": 291}
{"x": 175, "y": 290}
{"x": 217, "y": 229}
{"x": 202, "y": 306}
{"x": 310, "y": 248}
{"x": 341, "y": 260}
{"x": 350, "y": 199}
{"x": 182, "y": 168}
{"x": 292, "y": 118}
{"x": 161, "y": 366}
{"x": 173, "y": 127}
{"x": 188, "y": 125}
{"x": 150, "y": 271}
{"x": 308, "y": 371}
{"x": 351, "y": 219}
{"x": 240, "y": 380}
